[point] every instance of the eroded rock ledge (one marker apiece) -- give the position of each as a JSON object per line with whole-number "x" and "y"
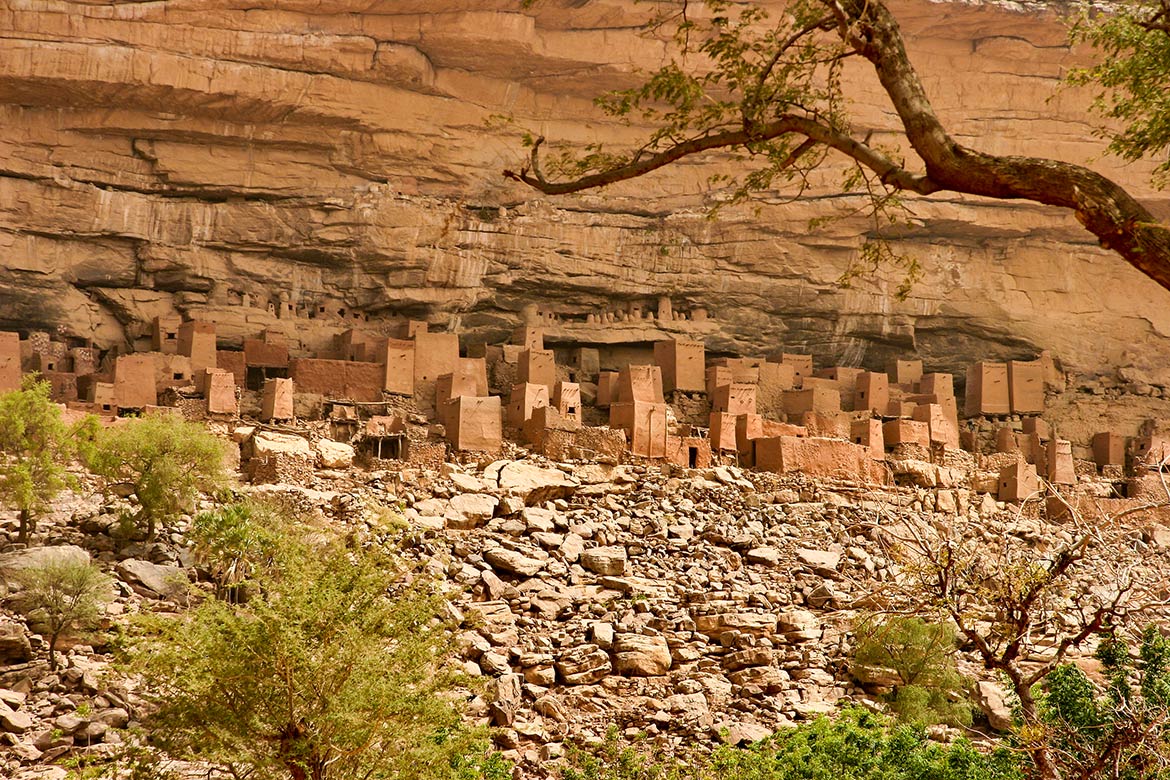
{"x": 177, "y": 157}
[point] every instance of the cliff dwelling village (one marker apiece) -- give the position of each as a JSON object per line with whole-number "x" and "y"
{"x": 397, "y": 395}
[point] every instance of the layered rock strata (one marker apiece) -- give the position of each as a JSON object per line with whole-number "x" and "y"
{"x": 212, "y": 159}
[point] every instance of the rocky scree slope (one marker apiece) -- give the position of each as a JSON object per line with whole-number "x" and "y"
{"x": 690, "y": 606}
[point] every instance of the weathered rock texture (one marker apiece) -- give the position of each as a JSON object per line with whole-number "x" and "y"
{"x": 175, "y": 156}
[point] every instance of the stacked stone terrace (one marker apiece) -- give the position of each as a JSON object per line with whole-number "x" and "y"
{"x": 417, "y": 396}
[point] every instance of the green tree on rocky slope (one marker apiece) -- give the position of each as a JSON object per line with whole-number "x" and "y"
{"x": 921, "y": 656}
{"x": 334, "y": 669}
{"x": 234, "y": 542}
{"x": 1022, "y": 608}
{"x": 36, "y": 447}
{"x": 1116, "y": 730}
{"x": 769, "y": 89}
{"x": 63, "y": 595}
{"x": 163, "y": 460}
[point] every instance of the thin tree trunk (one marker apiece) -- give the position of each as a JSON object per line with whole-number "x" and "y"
{"x": 1046, "y": 766}
{"x": 53, "y": 650}
{"x": 28, "y": 525}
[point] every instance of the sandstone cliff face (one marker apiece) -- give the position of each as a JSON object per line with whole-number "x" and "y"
{"x": 210, "y": 157}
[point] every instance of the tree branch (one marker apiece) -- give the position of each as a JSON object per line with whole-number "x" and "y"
{"x": 1101, "y": 206}
{"x": 889, "y": 172}
{"x": 1105, "y": 209}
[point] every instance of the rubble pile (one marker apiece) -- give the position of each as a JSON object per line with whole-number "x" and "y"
{"x": 693, "y": 606}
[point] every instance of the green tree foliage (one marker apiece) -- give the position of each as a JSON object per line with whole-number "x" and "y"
{"x": 335, "y": 670}
{"x": 1114, "y": 731}
{"x": 1132, "y": 77}
{"x": 36, "y": 446}
{"x": 922, "y": 656}
{"x": 63, "y": 596}
{"x": 166, "y": 462}
{"x": 856, "y": 745}
{"x": 234, "y": 541}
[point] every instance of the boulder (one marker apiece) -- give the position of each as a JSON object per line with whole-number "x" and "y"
{"x": 70, "y": 722}
{"x": 813, "y": 708}
{"x": 605, "y": 560}
{"x": 729, "y": 475}
{"x": 743, "y": 734}
{"x": 334, "y": 454}
{"x": 824, "y": 596}
{"x": 14, "y": 645}
{"x": 572, "y": 547}
{"x": 513, "y": 562}
{"x": 765, "y": 556}
{"x": 876, "y": 679}
{"x": 749, "y": 656}
{"x": 548, "y": 541}
{"x": 690, "y": 707}
{"x": 12, "y": 563}
{"x": 91, "y": 733}
{"x": 266, "y": 443}
{"x": 551, "y": 707}
{"x": 583, "y": 664}
{"x": 760, "y": 679}
{"x": 993, "y": 701}
{"x": 818, "y": 559}
{"x": 602, "y": 635}
{"x": 497, "y": 588}
{"x": 15, "y": 722}
{"x": 799, "y": 625}
{"x": 494, "y": 664}
{"x": 13, "y": 700}
{"x": 538, "y": 519}
{"x": 115, "y": 717}
{"x": 157, "y": 580}
{"x": 640, "y": 655}
{"x": 466, "y": 482}
{"x": 534, "y": 483}
{"x": 470, "y": 510}
{"x": 755, "y": 623}
{"x": 544, "y": 674}
{"x": 431, "y": 507}
{"x": 506, "y": 698}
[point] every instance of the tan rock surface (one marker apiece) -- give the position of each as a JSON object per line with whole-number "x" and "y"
{"x": 173, "y": 156}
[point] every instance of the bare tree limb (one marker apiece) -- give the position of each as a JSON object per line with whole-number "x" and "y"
{"x": 889, "y": 172}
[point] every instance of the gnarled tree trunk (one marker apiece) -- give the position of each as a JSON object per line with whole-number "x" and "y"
{"x": 867, "y": 27}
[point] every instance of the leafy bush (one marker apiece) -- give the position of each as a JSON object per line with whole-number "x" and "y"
{"x": 922, "y": 656}
{"x": 1118, "y": 729}
{"x": 856, "y": 745}
{"x": 233, "y": 541}
{"x": 63, "y": 596}
{"x": 166, "y": 462}
{"x": 35, "y": 447}
{"x": 335, "y": 669}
